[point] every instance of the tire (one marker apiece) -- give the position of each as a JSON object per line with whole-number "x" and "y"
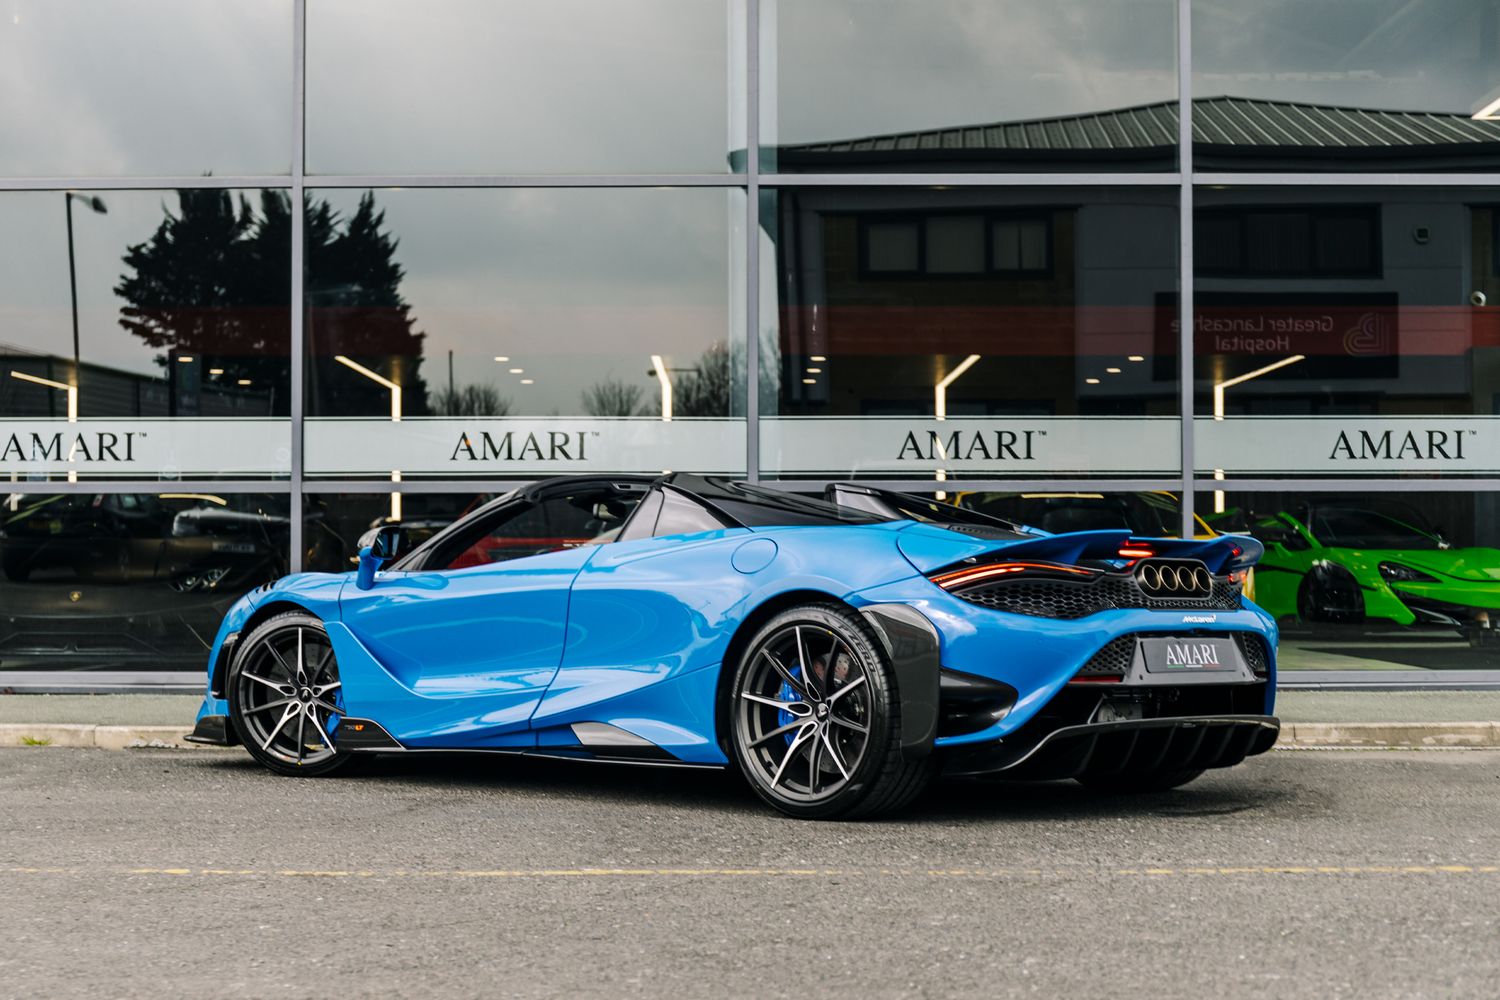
{"x": 1152, "y": 781}
{"x": 288, "y": 719}
{"x": 1330, "y": 594}
{"x": 815, "y": 718}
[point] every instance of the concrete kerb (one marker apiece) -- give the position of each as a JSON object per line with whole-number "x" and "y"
{"x": 62, "y": 734}
{"x": 1294, "y": 736}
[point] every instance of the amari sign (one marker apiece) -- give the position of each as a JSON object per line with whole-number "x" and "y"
{"x": 145, "y": 448}
{"x": 1344, "y": 445}
{"x": 479, "y": 447}
{"x": 999, "y": 446}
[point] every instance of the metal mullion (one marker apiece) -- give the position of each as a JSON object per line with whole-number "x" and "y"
{"x": 1185, "y": 345}
{"x": 52, "y": 486}
{"x": 752, "y": 241}
{"x": 141, "y": 183}
{"x": 1161, "y": 483}
{"x": 1166, "y": 178}
{"x": 1243, "y": 179}
{"x": 299, "y": 255}
{"x": 1249, "y": 485}
{"x": 727, "y": 180}
{"x": 418, "y": 485}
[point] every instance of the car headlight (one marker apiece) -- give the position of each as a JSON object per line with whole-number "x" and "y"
{"x": 1397, "y": 573}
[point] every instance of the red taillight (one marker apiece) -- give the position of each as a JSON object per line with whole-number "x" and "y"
{"x": 1135, "y": 552}
{"x": 992, "y": 571}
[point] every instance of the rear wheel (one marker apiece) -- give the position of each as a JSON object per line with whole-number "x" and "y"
{"x": 1152, "y": 781}
{"x": 816, "y": 718}
{"x": 285, "y": 699}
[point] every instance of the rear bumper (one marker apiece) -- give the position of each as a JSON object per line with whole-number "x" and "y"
{"x": 1135, "y": 746}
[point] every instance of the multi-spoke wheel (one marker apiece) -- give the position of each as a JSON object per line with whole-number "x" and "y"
{"x": 285, "y": 698}
{"x": 816, "y": 717}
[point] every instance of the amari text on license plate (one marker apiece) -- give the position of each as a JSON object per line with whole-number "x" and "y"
{"x": 1195, "y": 655}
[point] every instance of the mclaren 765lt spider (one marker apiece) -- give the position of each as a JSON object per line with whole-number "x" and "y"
{"x": 837, "y": 652}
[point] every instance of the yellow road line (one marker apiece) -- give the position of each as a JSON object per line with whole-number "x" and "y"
{"x": 768, "y": 873}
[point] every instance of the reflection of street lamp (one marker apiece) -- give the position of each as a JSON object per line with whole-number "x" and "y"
{"x": 395, "y": 418}
{"x": 940, "y": 408}
{"x": 660, "y": 367}
{"x": 97, "y": 204}
{"x": 1219, "y": 388}
{"x": 72, "y": 391}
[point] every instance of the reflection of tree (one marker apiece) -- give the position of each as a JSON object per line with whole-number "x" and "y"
{"x": 705, "y": 390}
{"x": 356, "y": 309}
{"x": 470, "y": 401}
{"x": 612, "y": 398}
{"x": 213, "y": 282}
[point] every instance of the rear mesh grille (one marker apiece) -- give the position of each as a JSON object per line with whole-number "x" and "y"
{"x": 1068, "y": 599}
{"x": 1118, "y": 654}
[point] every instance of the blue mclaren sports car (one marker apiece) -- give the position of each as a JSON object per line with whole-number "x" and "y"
{"x": 839, "y": 652}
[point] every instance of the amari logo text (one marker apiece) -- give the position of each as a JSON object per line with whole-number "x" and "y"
{"x": 1419, "y": 445}
{"x": 1192, "y": 654}
{"x": 991, "y": 445}
{"x": 511, "y": 446}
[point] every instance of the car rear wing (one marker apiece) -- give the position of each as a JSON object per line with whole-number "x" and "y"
{"x": 1222, "y": 554}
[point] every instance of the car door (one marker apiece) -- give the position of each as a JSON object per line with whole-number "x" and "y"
{"x": 478, "y": 630}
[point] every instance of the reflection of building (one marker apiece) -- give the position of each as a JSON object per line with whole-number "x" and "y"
{"x": 995, "y": 257}
{"x": 1049, "y": 286}
{"x": 105, "y": 391}
{"x": 1229, "y": 133}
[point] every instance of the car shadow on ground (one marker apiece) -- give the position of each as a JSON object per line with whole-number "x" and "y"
{"x": 1219, "y": 793}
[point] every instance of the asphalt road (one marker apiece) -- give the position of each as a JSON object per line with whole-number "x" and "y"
{"x": 1299, "y": 874}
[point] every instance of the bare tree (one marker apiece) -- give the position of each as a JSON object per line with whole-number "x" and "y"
{"x": 470, "y": 401}
{"x": 612, "y": 398}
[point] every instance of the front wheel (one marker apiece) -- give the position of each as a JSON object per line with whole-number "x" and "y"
{"x": 817, "y": 717}
{"x": 285, "y": 699}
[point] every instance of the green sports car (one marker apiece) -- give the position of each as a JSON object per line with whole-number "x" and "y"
{"x": 1341, "y": 563}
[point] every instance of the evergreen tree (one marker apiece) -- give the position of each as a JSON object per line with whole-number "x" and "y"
{"x": 355, "y": 309}
{"x": 214, "y": 282}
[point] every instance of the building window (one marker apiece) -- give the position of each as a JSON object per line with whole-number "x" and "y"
{"x": 954, "y": 245}
{"x": 893, "y": 248}
{"x": 1289, "y": 242}
{"x": 1020, "y": 246}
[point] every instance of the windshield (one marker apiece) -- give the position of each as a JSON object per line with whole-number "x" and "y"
{"x": 762, "y": 507}
{"x": 1352, "y": 528}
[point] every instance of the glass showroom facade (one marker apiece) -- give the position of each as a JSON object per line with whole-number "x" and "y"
{"x": 275, "y": 271}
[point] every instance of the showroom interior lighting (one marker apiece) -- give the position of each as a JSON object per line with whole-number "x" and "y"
{"x": 1219, "y": 388}
{"x": 378, "y": 379}
{"x": 940, "y": 408}
{"x": 395, "y": 417}
{"x": 1136, "y": 357}
{"x": 71, "y": 390}
{"x": 660, "y": 367}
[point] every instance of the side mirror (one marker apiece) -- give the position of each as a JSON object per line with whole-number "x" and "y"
{"x": 375, "y": 549}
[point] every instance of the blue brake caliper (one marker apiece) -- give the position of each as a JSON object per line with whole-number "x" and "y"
{"x": 788, "y": 693}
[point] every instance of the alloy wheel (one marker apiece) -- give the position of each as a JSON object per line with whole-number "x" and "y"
{"x": 803, "y": 713}
{"x": 289, "y": 696}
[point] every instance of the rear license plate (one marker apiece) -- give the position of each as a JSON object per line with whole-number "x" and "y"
{"x": 1166, "y": 656}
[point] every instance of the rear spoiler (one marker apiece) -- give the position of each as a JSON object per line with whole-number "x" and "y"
{"x": 1221, "y": 554}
